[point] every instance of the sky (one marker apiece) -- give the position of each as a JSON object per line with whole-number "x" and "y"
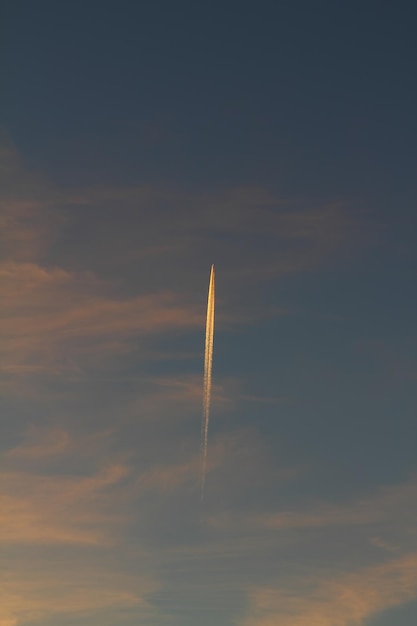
{"x": 139, "y": 144}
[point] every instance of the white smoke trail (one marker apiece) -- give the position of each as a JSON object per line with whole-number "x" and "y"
{"x": 208, "y": 364}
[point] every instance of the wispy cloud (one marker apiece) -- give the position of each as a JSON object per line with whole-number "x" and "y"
{"x": 75, "y": 590}
{"x": 389, "y": 504}
{"x": 101, "y": 294}
{"x": 30, "y": 214}
{"x": 41, "y": 508}
{"x": 328, "y": 592}
{"x": 240, "y": 226}
{"x": 51, "y": 317}
{"x": 336, "y": 600}
{"x": 66, "y": 306}
{"x": 388, "y": 512}
{"x": 65, "y": 498}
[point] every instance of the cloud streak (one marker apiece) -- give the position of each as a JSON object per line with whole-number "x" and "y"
{"x": 339, "y": 600}
{"x": 52, "y": 318}
{"x": 76, "y": 592}
{"x": 50, "y": 509}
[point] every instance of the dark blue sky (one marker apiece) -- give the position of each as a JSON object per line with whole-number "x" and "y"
{"x": 309, "y": 97}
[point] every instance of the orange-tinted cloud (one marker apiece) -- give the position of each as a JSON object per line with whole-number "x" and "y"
{"x": 338, "y": 600}
{"x": 79, "y": 590}
{"x": 51, "y": 318}
{"x": 62, "y": 311}
{"x": 29, "y": 209}
{"x": 54, "y": 509}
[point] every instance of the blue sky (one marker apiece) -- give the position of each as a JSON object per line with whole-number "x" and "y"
{"x": 139, "y": 145}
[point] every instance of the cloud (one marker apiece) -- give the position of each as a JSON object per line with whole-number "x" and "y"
{"x": 30, "y": 217}
{"x": 64, "y": 513}
{"x": 170, "y": 477}
{"x": 77, "y": 510}
{"x": 389, "y": 508}
{"x": 136, "y": 270}
{"x": 75, "y": 590}
{"x": 227, "y": 454}
{"x": 328, "y": 564}
{"x": 102, "y": 290}
{"x": 185, "y": 392}
{"x": 52, "y": 318}
{"x": 238, "y": 228}
{"x": 338, "y": 600}
{"x": 64, "y": 488}
{"x": 40, "y": 445}
{"x": 53, "y": 509}
{"x": 384, "y": 506}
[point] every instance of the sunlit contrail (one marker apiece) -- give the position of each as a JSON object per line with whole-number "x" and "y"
{"x": 208, "y": 363}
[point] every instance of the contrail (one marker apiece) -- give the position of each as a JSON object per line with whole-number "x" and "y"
{"x": 208, "y": 364}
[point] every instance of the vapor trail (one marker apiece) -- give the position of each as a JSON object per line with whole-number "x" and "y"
{"x": 208, "y": 364}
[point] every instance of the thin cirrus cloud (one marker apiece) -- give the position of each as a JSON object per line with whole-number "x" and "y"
{"x": 375, "y": 509}
{"x": 53, "y": 509}
{"x": 338, "y": 600}
{"x": 381, "y": 576}
{"x": 88, "y": 508}
{"x": 102, "y": 293}
{"x": 60, "y": 531}
{"x": 49, "y": 509}
{"x": 47, "y": 311}
{"x": 86, "y": 504}
{"x": 62, "y": 487}
{"x": 248, "y": 230}
{"x": 66, "y": 305}
{"x": 164, "y": 223}
{"x": 76, "y": 591}
{"x": 77, "y": 521}
{"x": 383, "y": 517}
